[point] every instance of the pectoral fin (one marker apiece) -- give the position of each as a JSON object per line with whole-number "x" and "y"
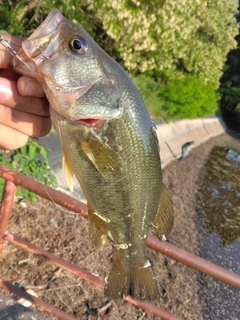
{"x": 67, "y": 169}
{"x": 97, "y": 229}
{"x": 163, "y": 222}
{"x": 107, "y": 162}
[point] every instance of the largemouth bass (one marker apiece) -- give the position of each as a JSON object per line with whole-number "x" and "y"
{"x": 109, "y": 143}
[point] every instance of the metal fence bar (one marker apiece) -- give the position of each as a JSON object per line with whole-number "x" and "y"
{"x": 164, "y": 314}
{"x": 38, "y": 302}
{"x": 54, "y": 259}
{"x": 165, "y": 248}
{"x": 44, "y": 191}
{"x": 195, "y": 262}
{"x": 6, "y": 208}
{"x": 158, "y": 311}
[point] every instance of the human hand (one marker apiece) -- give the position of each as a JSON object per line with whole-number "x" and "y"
{"x": 24, "y": 110}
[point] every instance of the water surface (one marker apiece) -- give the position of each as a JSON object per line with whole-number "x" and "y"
{"x": 218, "y": 207}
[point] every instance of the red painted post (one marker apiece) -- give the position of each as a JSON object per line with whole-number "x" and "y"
{"x": 6, "y": 207}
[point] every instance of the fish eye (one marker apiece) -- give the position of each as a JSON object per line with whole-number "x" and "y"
{"x": 78, "y": 44}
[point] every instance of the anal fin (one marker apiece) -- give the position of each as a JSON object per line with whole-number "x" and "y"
{"x": 97, "y": 229}
{"x": 163, "y": 222}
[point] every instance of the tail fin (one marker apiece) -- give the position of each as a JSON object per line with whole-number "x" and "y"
{"x": 128, "y": 281}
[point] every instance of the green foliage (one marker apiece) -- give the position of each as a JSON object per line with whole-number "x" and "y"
{"x": 231, "y": 95}
{"x": 22, "y": 17}
{"x": 186, "y": 97}
{"x": 27, "y": 160}
{"x": 189, "y": 98}
{"x": 188, "y": 36}
{"x": 9, "y": 19}
{"x": 230, "y": 89}
{"x": 230, "y": 80}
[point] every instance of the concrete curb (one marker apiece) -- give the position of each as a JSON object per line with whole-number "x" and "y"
{"x": 174, "y": 135}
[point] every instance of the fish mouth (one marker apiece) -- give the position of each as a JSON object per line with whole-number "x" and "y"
{"x": 36, "y": 45}
{"x": 88, "y": 121}
{"x": 80, "y": 121}
{"x": 49, "y": 25}
{"x": 46, "y": 33}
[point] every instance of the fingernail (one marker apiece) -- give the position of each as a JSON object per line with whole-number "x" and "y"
{"x": 5, "y": 91}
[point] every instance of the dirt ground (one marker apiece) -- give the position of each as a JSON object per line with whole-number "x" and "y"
{"x": 65, "y": 235}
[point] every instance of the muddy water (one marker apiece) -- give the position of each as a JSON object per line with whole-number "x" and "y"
{"x": 218, "y": 208}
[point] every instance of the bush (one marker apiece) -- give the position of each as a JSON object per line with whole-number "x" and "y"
{"x": 27, "y": 160}
{"x": 189, "y": 97}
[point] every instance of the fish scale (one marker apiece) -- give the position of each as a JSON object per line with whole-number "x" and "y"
{"x": 109, "y": 143}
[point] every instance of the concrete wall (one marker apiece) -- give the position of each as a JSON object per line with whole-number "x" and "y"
{"x": 174, "y": 135}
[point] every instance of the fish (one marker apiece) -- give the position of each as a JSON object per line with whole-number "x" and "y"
{"x": 109, "y": 143}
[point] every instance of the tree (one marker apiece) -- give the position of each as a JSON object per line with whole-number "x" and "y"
{"x": 189, "y": 97}
{"x": 185, "y": 36}
{"x": 230, "y": 89}
{"x": 230, "y": 85}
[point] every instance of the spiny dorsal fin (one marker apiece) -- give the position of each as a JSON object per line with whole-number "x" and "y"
{"x": 67, "y": 169}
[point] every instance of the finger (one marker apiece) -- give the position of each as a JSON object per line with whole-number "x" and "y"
{"x": 26, "y": 123}
{"x": 9, "y": 73}
{"x": 11, "y": 139}
{"x": 10, "y": 97}
{"x": 5, "y": 56}
{"x": 29, "y": 87}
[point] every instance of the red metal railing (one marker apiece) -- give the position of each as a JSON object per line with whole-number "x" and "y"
{"x": 13, "y": 178}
